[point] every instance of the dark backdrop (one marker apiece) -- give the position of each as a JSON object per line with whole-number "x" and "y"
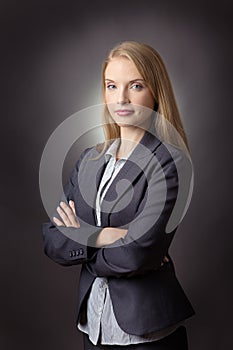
{"x": 52, "y": 53}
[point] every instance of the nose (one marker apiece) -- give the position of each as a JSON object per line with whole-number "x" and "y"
{"x": 123, "y": 96}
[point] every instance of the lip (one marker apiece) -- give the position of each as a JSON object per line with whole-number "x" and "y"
{"x": 124, "y": 112}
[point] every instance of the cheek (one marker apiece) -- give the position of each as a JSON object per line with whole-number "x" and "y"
{"x": 149, "y": 102}
{"x": 109, "y": 97}
{"x": 110, "y": 106}
{"x": 146, "y": 100}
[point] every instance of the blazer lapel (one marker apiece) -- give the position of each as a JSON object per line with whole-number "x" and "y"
{"x": 134, "y": 166}
{"x": 91, "y": 172}
{"x": 138, "y": 160}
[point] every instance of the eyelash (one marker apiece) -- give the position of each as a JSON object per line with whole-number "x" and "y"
{"x": 109, "y": 86}
{"x": 138, "y": 86}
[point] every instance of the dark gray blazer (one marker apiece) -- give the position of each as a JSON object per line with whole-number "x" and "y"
{"x": 148, "y": 197}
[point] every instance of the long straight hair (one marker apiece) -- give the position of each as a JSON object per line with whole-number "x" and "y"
{"x": 152, "y": 69}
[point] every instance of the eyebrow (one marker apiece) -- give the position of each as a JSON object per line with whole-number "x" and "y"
{"x": 131, "y": 81}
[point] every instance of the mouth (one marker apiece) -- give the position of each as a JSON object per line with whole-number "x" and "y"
{"x": 124, "y": 112}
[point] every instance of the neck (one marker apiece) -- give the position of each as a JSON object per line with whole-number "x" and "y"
{"x": 130, "y": 137}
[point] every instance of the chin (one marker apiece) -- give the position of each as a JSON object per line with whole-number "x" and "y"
{"x": 126, "y": 125}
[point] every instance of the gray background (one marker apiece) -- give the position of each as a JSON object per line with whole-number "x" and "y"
{"x": 52, "y": 52}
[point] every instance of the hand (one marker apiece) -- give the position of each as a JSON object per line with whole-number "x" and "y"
{"x": 109, "y": 235}
{"x": 165, "y": 259}
{"x": 67, "y": 214}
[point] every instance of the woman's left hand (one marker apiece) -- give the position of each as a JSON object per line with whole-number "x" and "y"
{"x": 165, "y": 260}
{"x": 67, "y": 214}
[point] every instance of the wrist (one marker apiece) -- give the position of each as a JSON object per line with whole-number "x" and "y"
{"x": 101, "y": 238}
{"x": 109, "y": 235}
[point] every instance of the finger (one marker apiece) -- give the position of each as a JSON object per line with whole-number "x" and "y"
{"x": 165, "y": 260}
{"x": 72, "y": 205}
{"x": 58, "y": 222}
{"x": 71, "y": 217}
{"x": 66, "y": 208}
{"x": 63, "y": 216}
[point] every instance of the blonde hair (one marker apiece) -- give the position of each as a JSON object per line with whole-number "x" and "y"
{"x": 152, "y": 68}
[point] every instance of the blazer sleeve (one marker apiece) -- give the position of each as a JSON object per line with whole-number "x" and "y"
{"x": 150, "y": 234}
{"x": 68, "y": 245}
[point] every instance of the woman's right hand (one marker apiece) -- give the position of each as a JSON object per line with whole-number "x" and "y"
{"x": 67, "y": 215}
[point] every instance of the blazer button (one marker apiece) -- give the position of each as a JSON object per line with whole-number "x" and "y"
{"x": 72, "y": 253}
{"x": 77, "y": 252}
{"x": 81, "y": 251}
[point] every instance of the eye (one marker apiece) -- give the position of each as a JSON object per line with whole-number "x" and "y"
{"x": 110, "y": 86}
{"x": 137, "y": 86}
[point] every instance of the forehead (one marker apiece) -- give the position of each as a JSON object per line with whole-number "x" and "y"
{"x": 121, "y": 67}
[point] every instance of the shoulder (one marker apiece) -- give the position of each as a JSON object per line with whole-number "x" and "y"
{"x": 170, "y": 153}
{"x": 174, "y": 162}
{"x": 98, "y": 150}
{"x": 93, "y": 152}
{"x": 99, "y": 147}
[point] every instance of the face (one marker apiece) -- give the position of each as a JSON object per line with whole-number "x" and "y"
{"x": 127, "y": 95}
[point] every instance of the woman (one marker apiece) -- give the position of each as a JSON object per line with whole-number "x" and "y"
{"x": 121, "y": 231}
